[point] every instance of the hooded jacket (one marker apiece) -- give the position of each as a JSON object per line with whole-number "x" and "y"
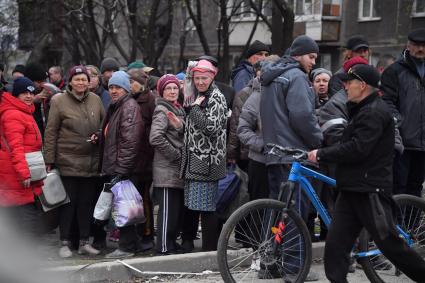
{"x": 287, "y": 109}
{"x": 404, "y": 91}
{"x": 241, "y": 75}
{"x": 20, "y": 131}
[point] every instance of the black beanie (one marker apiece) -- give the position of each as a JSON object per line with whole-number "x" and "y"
{"x": 35, "y": 72}
{"x": 21, "y": 85}
{"x": 109, "y": 64}
{"x": 255, "y": 47}
{"x": 19, "y": 68}
{"x": 303, "y": 45}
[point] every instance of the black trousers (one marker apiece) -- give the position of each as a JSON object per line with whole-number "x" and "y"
{"x": 170, "y": 212}
{"x": 409, "y": 172}
{"x": 82, "y": 193}
{"x": 373, "y": 211}
{"x": 209, "y": 224}
{"x": 258, "y": 185}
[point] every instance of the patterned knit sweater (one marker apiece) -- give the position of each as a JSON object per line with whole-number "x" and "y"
{"x": 204, "y": 151}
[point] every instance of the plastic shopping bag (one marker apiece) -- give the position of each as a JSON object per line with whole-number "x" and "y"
{"x": 127, "y": 206}
{"x": 102, "y": 210}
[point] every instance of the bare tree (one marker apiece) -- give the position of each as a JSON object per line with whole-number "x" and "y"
{"x": 8, "y": 30}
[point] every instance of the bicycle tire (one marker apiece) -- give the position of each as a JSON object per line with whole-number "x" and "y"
{"x": 236, "y": 265}
{"x": 410, "y": 216}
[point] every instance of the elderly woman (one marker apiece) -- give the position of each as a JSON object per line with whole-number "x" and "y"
{"x": 204, "y": 153}
{"x": 122, "y": 132}
{"x": 167, "y": 142}
{"x": 96, "y": 85}
{"x": 71, "y": 145}
{"x": 19, "y": 135}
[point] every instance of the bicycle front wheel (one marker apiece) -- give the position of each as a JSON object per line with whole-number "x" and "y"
{"x": 258, "y": 253}
{"x": 410, "y": 217}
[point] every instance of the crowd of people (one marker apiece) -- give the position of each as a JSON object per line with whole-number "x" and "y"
{"x": 177, "y": 133}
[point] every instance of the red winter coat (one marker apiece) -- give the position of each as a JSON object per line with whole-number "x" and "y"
{"x": 20, "y": 130}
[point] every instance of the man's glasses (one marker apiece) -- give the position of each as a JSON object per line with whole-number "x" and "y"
{"x": 352, "y": 73}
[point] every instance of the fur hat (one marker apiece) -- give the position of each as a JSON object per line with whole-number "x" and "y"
{"x": 121, "y": 79}
{"x": 164, "y": 81}
{"x": 21, "y": 85}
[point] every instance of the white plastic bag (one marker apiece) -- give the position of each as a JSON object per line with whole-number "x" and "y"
{"x": 127, "y": 206}
{"x": 102, "y": 210}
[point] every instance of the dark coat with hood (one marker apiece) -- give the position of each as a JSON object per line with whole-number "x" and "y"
{"x": 404, "y": 91}
{"x": 241, "y": 75}
{"x": 287, "y": 109}
{"x": 122, "y": 132}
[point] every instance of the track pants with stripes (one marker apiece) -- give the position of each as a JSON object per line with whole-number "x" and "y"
{"x": 170, "y": 212}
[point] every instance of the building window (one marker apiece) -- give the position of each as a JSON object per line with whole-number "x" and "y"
{"x": 368, "y": 10}
{"x": 305, "y": 7}
{"x": 418, "y": 9}
{"x": 331, "y": 8}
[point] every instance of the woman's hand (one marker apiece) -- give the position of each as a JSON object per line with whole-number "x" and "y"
{"x": 26, "y": 183}
{"x": 174, "y": 121}
{"x": 198, "y": 100}
{"x": 312, "y": 156}
{"x": 48, "y": 167}
{"x": 93, "y": 139}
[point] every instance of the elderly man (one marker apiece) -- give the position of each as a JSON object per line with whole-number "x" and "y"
{"x": 364, "y": 177}
{"x": 403, "y": 85}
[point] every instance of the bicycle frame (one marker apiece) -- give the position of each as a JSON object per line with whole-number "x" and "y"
{"x": 298, "y": 174}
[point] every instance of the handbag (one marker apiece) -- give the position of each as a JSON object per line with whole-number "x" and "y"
{"x": 228, "y": 188}
{"x": 53, "y": 192}
{"x": 35, "y": 163}
{"x": 102, "y": 210}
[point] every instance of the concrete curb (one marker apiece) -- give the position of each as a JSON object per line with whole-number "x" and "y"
{"x": 114, "y": 270}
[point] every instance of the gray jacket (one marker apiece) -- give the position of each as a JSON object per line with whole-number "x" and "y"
{"x": 287, "y": 109}
{"x": 249, "y": 129}
{"x": 167, "y": 143}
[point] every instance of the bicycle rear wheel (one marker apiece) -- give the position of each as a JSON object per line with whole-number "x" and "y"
{"x": 260, "y": 255}
{"x": 410, "y": 216}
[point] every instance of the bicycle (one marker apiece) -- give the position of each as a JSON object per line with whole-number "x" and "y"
{"x": 279, "y": 244}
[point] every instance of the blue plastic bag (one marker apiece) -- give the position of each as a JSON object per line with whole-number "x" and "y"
{"x": 228, "y": 188}
{"x": 127, "y": 208}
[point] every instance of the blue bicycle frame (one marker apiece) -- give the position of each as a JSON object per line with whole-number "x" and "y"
{"x": 299, "y": 174}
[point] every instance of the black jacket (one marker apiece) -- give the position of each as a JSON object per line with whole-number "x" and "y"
{"x": 365, "y": 155}
{"x": 404, "y": 91}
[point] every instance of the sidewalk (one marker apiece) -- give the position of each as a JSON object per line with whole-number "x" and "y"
{"x": 98, "y": 269}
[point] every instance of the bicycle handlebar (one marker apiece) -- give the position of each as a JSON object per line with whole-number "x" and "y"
{"x": 296, "y": 153}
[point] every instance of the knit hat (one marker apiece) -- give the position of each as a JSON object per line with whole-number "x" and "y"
{"x": 303, "y": 45}
{"x": 21, "y": 85}
{"x": 76, "y": 70}
{"x": 109, "y": 64}
{"x": 35, "y": 72}
{"x": 19, "y": 69}
{"x": 417, "y": 35}
{"x": 319, "y": 71}
{"x": 255, "y": 47}
{"x": 355, "y": 42}
{"x": 181, "y": 76}
{"x": 164, "y": 81}
{"x": 204, "y": 66}
{"x": 354, "y": 61}
{"x": 121, "y": 79}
